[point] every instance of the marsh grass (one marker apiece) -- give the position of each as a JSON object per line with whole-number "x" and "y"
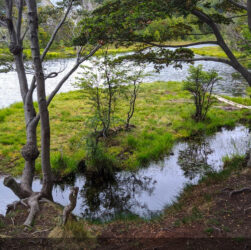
{"x": 162, "y": 116}
{"x": 63, "y": 52}
{"x": 215, "y": 51}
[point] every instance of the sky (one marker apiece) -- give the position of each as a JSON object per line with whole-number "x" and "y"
{"x": 54, "y": 1}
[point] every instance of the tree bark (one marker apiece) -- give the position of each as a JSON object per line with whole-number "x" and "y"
{"x": 249, "y": 13}
{"x": 73, "y": 201}
{"x": 234, "y": 62}
{"x": 33, "y": 203}
{"x": 16, "y": 48}
{"x": 41, "y": 96}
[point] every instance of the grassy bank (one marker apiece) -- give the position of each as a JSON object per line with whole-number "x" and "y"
{"x": 61, "y": 52}
{"x": 162, "y": 116}
{"x": 206, "y": 211}
{"x": 214, "y": 51}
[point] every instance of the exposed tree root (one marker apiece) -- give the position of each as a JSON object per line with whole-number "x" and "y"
{"x": 243, "y": 190}
{"x": 14, "y": 205}
{"x": 33, "y": 202}
{"x": 11, "y": 183}
{"x": 226, "y": 190}
{"x": 73, "y": 200}
{"x": 247, "y": 210}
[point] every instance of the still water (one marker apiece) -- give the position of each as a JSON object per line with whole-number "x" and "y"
{"x": 9, "y": 88}
{"x": 148, "y": 191}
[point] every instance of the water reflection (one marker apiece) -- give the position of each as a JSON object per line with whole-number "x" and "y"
{"x": 193, "y": 160}
{"x": 149, "y": 190}
{"x": 105, "y": 199}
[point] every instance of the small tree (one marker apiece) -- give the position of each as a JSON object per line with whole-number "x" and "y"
{"x": 101, "y": 84}
{"x": 106, "y": 83}
{"x": 200, "y": 84}
{"x": 132, "y": 94}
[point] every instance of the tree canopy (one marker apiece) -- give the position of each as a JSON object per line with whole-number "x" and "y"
{"x": 154, "y": 22}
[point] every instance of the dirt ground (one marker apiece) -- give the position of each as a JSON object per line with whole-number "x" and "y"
{"x": 208, "y": 216}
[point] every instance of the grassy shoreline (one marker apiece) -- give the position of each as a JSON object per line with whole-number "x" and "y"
{"x": 162, "y": 117}
{"x": 198, "y": 211}
{"x": 61, "y": 53}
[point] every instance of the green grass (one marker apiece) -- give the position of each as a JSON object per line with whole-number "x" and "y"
{"x": 62, "y": 52}
{"x": 162, "y": 116}
{"x": 244, "y": 101}
{"x": 234, "y": 163}
{"x": 215, "y": 51}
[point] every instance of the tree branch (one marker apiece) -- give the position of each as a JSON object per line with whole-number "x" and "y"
{"x": 213, "y": 59}
{"x": 56, "y": 31}
{"x": 33, "y": 83}
{"x": 3, "y": 23}
{"x": 233, "y": 2}
{"x": 66, "y": 77}
{"x": 24, "y": 34}
{"x": 181, "y": 46}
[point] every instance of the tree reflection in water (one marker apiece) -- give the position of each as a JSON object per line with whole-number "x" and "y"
{"x": 106, "y": 199}
{"x": 193, "y": 160}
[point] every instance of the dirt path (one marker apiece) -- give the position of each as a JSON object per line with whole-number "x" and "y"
{"x": 234, "y": 104}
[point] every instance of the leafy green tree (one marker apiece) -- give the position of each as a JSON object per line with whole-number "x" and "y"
{"x": 200, "y": 84}
{"x": 16, "y": 33}
{"x": 104, "y": 84}
{"x": 125, "y": 21}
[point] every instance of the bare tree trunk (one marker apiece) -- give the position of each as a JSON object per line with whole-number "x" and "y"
{"x": 132, "y": 104}
{"x": 41, "y": 96}
{"x": 30, "y": 151}
{"x": 249, "y": 13}
{"x": 234, "y": 62}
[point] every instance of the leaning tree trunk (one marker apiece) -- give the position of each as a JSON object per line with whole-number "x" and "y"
{"x": 23, "y": 189}
{"x": 249, "y": 13}
{"x": 41, "y": 96}
{"x": 234, "y": 62}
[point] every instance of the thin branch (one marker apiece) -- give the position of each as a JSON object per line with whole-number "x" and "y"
{"x": 24, "y": 34}
{"x": 181, "y": 46}
{"x": 234, "y": 2}
{"x": 213, "y": 59}
{"x": 199, "y": 34}
{"x": 232, "y": 17}
{"x": 56, "y": 31}
{"x": 3, "y": 23}
{"x": 33, "y": 83}
{"x": 66, "y": 77}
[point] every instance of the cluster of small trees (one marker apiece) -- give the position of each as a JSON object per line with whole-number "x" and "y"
{"x": 106, "y": 85}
